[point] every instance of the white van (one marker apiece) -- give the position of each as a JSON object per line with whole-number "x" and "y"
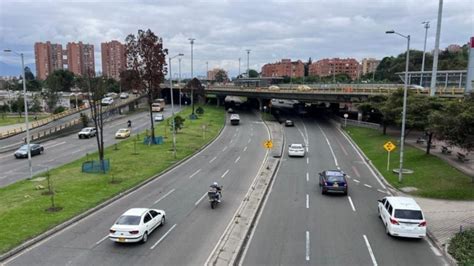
{"x": 402, "y": 217}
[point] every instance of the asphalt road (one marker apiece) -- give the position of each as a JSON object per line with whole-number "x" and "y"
{"x": 66, "y": 149}
{"x": 300, "y": 226}
{"x": 192, "y": 228}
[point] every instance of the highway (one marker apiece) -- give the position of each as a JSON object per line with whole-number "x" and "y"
{"x": 66, "y": 149}
{"x": 192, "y": 228}
{"x": 300, "y": 226}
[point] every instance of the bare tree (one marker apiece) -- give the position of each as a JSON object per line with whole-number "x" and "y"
{"x": 146, "y": 59}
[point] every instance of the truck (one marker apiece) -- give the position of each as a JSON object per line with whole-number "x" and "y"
{"x": 158, "y": 105}
{"x": 234, "y": 119}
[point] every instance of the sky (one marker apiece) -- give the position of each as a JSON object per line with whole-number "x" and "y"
{"x": 225, "y": 29}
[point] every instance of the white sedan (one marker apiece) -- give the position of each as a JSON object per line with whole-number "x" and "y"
{"x": 136, "y": 224}
{"x": 159, "y": 117}
{"x": 296, "y": 150}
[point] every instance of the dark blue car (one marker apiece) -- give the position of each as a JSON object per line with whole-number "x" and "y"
{"x": 333, "y": 181}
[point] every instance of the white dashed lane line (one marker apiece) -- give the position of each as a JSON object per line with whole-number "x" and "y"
{"x": 307, "y": 245}
{"x": 195, "y": 173}
{"x": 307, "y": 177}
{"x": 225, "y": 148}
{"x": 352, "y": 204}
{"x": 199, "y": 200}
{"x": 164, "y": 196}
{"x": 307, "y": 201}
{"x": 236, "y": 160}
{"x": 225, "y": 173}
{"x": 245, "y": 148}
{"x": 372, "y": 256}
{"x": 163, "y": 237}
{"x": 369, "y": 186}
{"x": 212, "y": 159}
{"x": 357, "y": 181}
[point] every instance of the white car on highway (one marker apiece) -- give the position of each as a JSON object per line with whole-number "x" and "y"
{"x": 402, "y": 217}
{"x": 296, "y": 150}
{"x": 107, "y": 101}
{"x": 136, "y": 225}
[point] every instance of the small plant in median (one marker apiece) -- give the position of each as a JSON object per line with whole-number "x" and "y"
{"x": 461, "y": 247}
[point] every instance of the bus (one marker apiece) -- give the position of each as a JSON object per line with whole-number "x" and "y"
{"x": 158, "y": 105}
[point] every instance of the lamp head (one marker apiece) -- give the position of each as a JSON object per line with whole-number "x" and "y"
{"x": 390, "y": 32}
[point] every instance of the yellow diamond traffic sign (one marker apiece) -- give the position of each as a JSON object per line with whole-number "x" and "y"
{"x": 389, "y": 146}
{"x": 268, "y": 144}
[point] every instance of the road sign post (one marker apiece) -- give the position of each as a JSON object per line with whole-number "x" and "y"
{"x": 389, "y": 146}
{"x": 345, "y": 120}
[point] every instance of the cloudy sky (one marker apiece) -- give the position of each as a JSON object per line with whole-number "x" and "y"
{"x": 224, "y": 29}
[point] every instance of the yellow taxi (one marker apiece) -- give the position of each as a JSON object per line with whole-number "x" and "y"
{"x": 122, "y": 133}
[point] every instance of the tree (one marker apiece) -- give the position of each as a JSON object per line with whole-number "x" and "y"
{"x": 179, "y": 121}
{"x": 18, "y": 105}
{"x": 112, "y": 85}
{"x": 128, "y": 81}
{"x": 146, "y": 59}
{"x": 221, "y": 76}
{"x": 59, "y": 80}
{"x": 253, "y": 73}
{"x": 197, "y": 92}
{"x": 28, "y": 74}
{"x": 95, "y": 88}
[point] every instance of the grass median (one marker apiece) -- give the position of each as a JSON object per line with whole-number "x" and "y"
{"x": 22, "y": 208}
{"x": 12, "y": 120}
{"x": 433, "y": 177}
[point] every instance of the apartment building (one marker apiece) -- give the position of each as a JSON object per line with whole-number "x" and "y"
{"x": 284, "y": 68}
{"x": 327, "y": 67}
{"x": 369, "y": 65}
{"x": 80, "y": 58}
{"x": 113, "y": 59}
{"x": 48, "y": 58}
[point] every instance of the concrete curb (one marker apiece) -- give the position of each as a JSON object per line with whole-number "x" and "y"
{"x": 81, "y": 216}
{"x": 394, "y": 191}
{"x": 232, "y": 243}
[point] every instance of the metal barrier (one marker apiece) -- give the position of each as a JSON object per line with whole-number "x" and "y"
{"x": 96, "y": 166}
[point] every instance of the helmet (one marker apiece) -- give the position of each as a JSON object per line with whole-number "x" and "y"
{"x": 215, "y": 184}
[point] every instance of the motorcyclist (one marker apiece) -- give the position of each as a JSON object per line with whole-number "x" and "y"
{"x": 218, "y": 189}
{"x": 129, "y": 123}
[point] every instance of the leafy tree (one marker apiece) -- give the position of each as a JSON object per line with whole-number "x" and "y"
{"x": 221, "y": 76}
{"x": 35, "y": 105}
{"x": 253, "y": 73}
{"x": 18, "y": 105}
{"x": 146, "y": 59}
{"x": 128, "y": 80}
{"x": 197, "y": 92}
{"x": 112, "y": 85}
{"x": 62, "y": 79}
{"x": 179, "y": 121}
{"x": 28, "y": 74}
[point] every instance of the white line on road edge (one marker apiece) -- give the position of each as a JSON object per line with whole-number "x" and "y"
{"x": 355, "y": 180}
{"x": 245, "y": 148}
{"x": 363, "y": 159}
{"x": 307, "y": 177}
{"x": 199, "y": 200}
{"x": 164, "y": 196}
{"x": 225, "y": 173}
{"x": 307, "y": 201}
{"x": 369, "y": 186}
{"x": 212, "y": 160}
{"x": 163, "y": 237}
{"x": 435, "y": 250}
{"x": 329, "y": 144}
{"x": 382, "y": 191}
{"x": 75, "y": 151}
{"x": 236, "y": 160}
{"x": 370, "y": 251}
{"x": 307, "y": 245}
{"x": 195, "y": 173}
{"x": 225, "y": 148}
{"x": 101, "y": 240}
{"x": 352, "y": 204}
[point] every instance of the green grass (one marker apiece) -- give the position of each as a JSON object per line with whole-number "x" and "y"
{"x": 22, "y": 208}
{"x": 433, "y": 177}
{"x": 461, "y": 247}
{"x": 9, "y": 120}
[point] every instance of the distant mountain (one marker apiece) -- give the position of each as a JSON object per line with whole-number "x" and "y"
{"x": 14, "y": 70}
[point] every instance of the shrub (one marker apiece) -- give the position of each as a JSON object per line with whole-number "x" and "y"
{"x": 59, "y": 109}
{"x": 199, "y": 110}
{"x": 461, "y": 247}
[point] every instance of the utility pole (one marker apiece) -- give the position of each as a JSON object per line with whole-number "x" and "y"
{"x": 427, "y": 26}
{"x": 192, "y": 76}
{"x": 435, "y": 56}
{"x": 248, "y": 64}
{"x": 239, "y": 69}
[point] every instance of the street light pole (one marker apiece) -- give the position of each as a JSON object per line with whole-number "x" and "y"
{"x": 26, "y": 110}
{"x": 434, "y": 74}
{"x": 238, "y": 74}
{"x": 179, "y": 82}
{"x": 404, "y": 112}
{"x": 248, "y": 64}
{"x": 172, "y": 107}
{"x": 191, "y": 40}
{"x": 427, "y": 26}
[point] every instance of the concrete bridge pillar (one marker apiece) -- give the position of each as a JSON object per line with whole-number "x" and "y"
{"x": 260, "y": 104}
{"x": 359, "y": 116}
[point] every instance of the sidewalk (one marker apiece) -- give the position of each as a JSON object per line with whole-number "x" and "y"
{"x": 445, "y": 217}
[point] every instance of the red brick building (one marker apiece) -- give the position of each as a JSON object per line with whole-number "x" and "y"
{"x": 113, "y": 59}
{"x": 80, "y": 58}
{"x": 284, "y": 68}
{"x": 211, "y": 74}
{"x": 48, "y": 58}
{"x": 328, "y": 67}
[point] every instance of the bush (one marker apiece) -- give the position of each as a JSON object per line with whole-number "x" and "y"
{"x": 461, "y": 247}
{"x": 199, "y": 110}
{"x": 59, "y": 109}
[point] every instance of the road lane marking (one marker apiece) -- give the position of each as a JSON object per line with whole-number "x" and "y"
{"x": 355, "y": 180}
{"x": 330, "y": 147}
{"x": 369, "y": 186}
{"x": 236, "y": 160}
{"x": 76, "y": 151}
{"x": 245, "y": 148}
{"x": 342, "y": 148}
{"x": 54, "y": 145}
{"x": 101, "y": 240}
{"x": 352, "y": 204}
{"x": 225, "y": 148}
{"x": 363, "y": 159}
{"x": 307, "y": 245}
{"x": 249, "y": 141}
{"x": 199, "y": 200}
{"x": 212, "y": 160}
{"x": 435, "y": 250}
{"x": 355, "y": 171}
{"x": 195, "y": 173}
{"x": 307, "y": 201}
{"x": 382, "y": 191}
{"x": 307, "y": 177}
{"x": 225, "y": 173}
{"x": 5, "y": 156}
{"x": 307, "y": 160}
{"x": 348, "y": 176}
{"x": 370, "y": 251}
{"x": 163, "y": 237}
{"x": 164, "y": 196}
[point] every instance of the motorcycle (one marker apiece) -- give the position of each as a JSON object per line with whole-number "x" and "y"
{"x": 215, "y": 197}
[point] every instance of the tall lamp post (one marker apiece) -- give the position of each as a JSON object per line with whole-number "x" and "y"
{"x": 427, "y": 26}
{"x": 191, "y": 40}
{"x": 172, "y": 106}
{"x": 179, "y": 82}
{"x": 26, "y": 109}
{"x": 248, "y": 64}
{"x": 404, "y": 112}
{"x": 239, "y": 69}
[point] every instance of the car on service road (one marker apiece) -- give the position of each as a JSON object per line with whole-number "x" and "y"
{"x": 296, "y": 150}
{"x": 107, "y": 101}
{"x": 289, "y": 123}
{"x": 402, "y": 217}
{"x": 158, "y": 117}
{"x": 22, "y": 152}
{"x": 87, "y": 132}
{"x": 136, "y": 225}
{"x": 123, "y": 95}
{"x": 333, "y": 181}
{"x": 122, "y": 133}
